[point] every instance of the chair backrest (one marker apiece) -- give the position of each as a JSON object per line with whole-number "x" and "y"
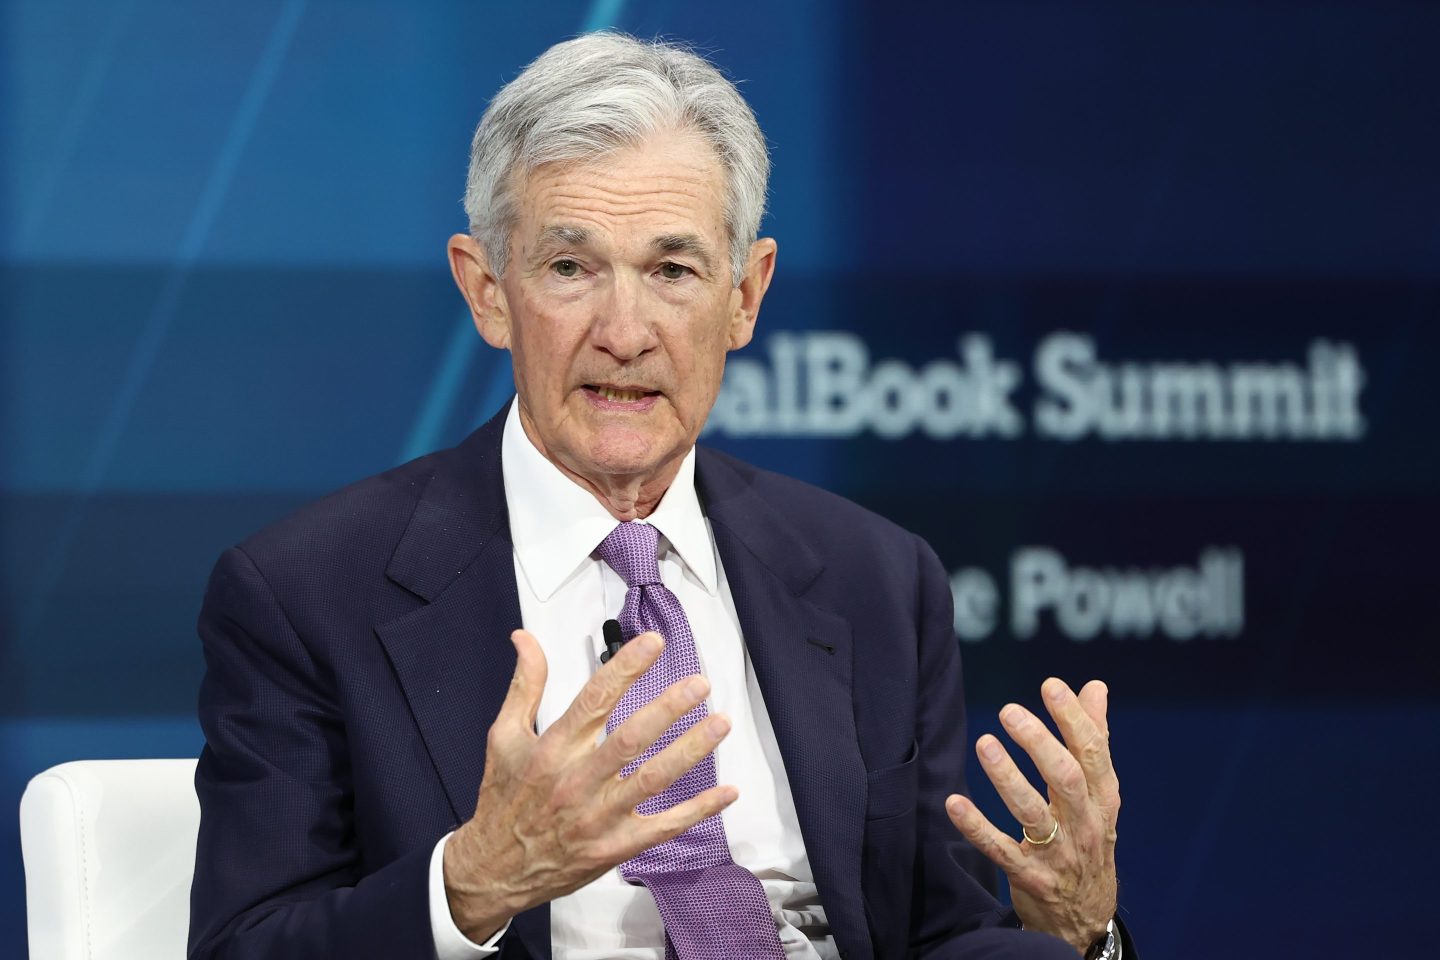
{"x": 109, "y": 849}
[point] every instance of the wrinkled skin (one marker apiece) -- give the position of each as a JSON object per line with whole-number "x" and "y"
{"x": 1066, "y": 887}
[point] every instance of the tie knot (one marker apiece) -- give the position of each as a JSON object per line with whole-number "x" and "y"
{"x": 631, "y": 549}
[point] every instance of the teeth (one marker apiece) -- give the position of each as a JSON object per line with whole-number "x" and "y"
{"x": 621, "y": 396}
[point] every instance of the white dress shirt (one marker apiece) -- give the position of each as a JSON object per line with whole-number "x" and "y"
{"x": 566, "y": 593}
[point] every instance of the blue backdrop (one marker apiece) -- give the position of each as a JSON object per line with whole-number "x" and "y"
{"x": 1129, "y": 307}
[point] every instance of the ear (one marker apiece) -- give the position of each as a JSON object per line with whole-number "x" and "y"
{"x": 745, "y": 299}
{"x": 470, "y": 266}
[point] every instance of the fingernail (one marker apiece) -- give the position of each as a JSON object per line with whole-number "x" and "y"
{"x": 1012, "y": 716}
{"x": 955, "y": 805}
{"x": 696, "y": 687}
{"x": 717, "y": 727}
{"x": 649, "y": 642}
{"x": 989, "y": 749}
{"x": 1054, "y": 690}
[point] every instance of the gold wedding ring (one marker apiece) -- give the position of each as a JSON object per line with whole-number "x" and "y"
{"x": 1054, "y": 831}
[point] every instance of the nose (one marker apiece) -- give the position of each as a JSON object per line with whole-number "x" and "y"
{"x": 624, "y": 325}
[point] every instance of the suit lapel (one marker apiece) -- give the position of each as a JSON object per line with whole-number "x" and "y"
{"x": 453, "y": 656}
{"x": 802, "y": 658}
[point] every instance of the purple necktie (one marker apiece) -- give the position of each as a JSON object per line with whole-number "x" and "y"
{"x": 713, "y": 908}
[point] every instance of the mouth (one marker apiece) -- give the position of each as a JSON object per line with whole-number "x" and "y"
{"x": 620, "y": 394}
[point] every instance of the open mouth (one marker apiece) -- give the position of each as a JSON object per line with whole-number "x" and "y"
{"x": 620, "y": 394}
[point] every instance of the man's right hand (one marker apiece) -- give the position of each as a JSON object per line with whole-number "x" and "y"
{"x": 553, "y": 812}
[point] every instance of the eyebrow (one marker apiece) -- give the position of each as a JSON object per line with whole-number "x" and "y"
{"x": 562, "y": 235}
{"x": 685, "y": 243}
{"x": 567, "y": 235}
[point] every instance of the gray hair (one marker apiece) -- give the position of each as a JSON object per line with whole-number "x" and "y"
{"x": 588, "y": 97}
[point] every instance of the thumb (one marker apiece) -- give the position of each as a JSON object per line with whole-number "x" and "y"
{"x": 522, "y": 702}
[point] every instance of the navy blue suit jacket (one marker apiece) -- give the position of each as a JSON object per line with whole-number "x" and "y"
{"x": 358, "y": 651}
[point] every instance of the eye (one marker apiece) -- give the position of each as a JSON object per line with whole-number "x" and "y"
{"x": 674, "y": 271}
{"x": 566, "y": 268}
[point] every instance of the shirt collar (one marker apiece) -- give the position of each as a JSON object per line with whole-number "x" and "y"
{"x": 556, "y": 524}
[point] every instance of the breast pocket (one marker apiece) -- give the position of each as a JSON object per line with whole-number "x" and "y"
{"x": 890, "y": 791}
{"x": 888, "y": 860}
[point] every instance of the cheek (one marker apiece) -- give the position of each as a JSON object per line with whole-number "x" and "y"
{"x": 706, "y": 367}
{"x": 544, "y": 345}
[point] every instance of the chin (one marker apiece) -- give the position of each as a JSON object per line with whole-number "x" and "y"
{"x": 628, "y": 453}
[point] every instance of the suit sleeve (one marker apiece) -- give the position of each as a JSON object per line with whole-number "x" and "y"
{"x": 277, "y": 866}
{"x": 954, "y": 888}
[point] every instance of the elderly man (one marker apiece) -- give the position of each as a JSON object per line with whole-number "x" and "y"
{"x": 761, "y": 756}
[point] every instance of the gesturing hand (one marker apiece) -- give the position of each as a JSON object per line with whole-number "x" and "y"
{"x": 553, "y": 813}
{"x": 1064, "y": 886}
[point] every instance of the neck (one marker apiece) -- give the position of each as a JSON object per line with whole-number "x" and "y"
{"x": 627, "y": 503}
{"x": 624, "y": 496}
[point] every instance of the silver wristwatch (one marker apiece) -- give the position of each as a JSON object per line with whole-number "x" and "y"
{"x": 1107, "y": 947}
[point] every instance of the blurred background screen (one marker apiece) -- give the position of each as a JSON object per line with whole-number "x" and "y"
{"x": 1127, "y": 307}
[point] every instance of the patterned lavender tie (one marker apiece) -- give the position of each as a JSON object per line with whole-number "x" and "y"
{"x": 713, "y": 908}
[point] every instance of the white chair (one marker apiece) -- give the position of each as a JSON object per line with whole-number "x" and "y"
{"x": 109, "y": 848}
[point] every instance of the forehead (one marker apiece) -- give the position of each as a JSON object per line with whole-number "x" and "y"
{"x": 669, "y": 181}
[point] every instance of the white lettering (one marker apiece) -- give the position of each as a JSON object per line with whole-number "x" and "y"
{"x": 1178, "y": 603}
{"x": 834, "y": 370}
{"x": 1037, "y": 582}
{"x": 1060, "y": 363}
{"x": 977, "y": 603}
{"x": 893, "y": 401}
{"x": 823, "y": 384}
{"x": 1083, "y": 396}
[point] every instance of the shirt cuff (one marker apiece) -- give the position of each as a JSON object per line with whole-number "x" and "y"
{"x": 450, "y": 943}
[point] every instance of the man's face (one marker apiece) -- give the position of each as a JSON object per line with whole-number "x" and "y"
{"x": 618, "y": 307}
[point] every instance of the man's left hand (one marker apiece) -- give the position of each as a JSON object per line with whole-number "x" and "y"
{"x": 1065, "y": 886}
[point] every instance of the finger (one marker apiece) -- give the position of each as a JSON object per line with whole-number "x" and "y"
{"x": 633, "y": 737}
{"x": 668, "y": 824}
{"x": 1021, "y": 799}
{"x": 1060, "y": 771}
{"x": 596, "y": 700}
{"x": 670, "y": 764}
{"x": 1086, "y": 742}
{"x": 522, "y": 701}
{"x": 1095, "y": 698}
{"x": 999, "y": 847}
